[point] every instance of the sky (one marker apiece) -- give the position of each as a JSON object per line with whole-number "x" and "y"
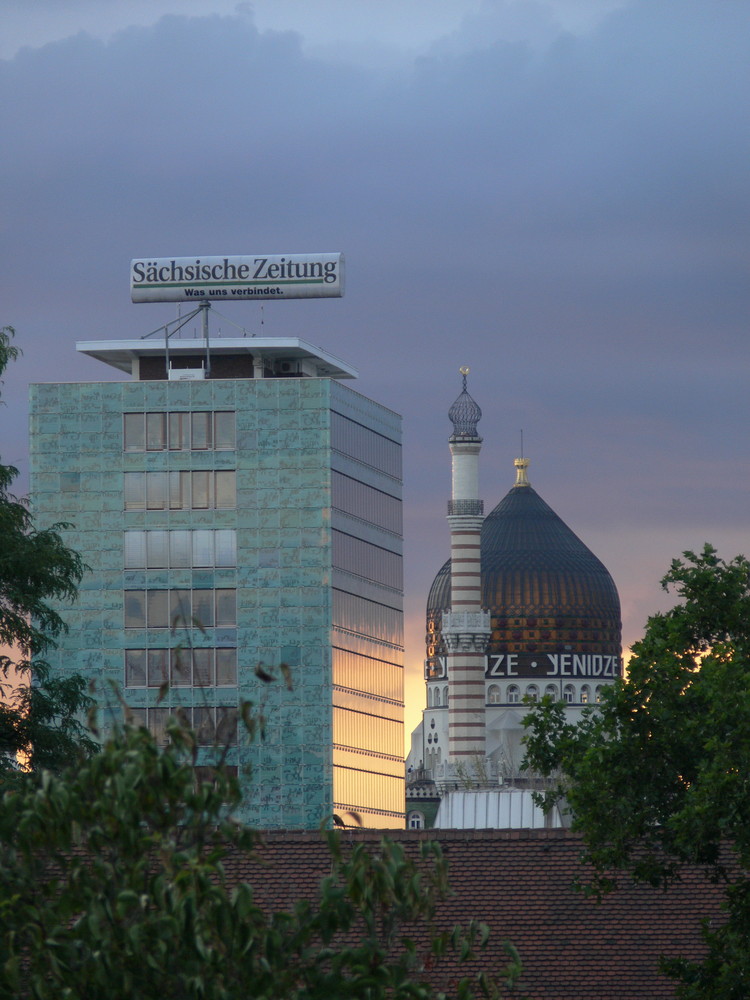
{"x": 551, "y": 192}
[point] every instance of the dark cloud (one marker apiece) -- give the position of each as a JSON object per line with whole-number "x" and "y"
{"x": 566, "y": 214}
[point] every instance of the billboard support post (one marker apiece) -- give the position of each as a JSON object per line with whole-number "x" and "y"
{"x": 205, "y": 306}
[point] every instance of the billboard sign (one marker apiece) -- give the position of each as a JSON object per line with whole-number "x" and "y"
{"x": 261, "y": 276}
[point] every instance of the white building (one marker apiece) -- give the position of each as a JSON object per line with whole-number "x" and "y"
{"x": 523, "y": 609}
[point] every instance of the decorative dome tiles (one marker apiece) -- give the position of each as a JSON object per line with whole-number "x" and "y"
{"x": 542, "y": 585}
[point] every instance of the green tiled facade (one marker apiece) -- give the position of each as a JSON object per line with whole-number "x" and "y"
{"x": 290, "y": 600}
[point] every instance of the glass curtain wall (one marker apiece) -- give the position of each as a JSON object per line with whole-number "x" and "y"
{"x": 368, "y": 627}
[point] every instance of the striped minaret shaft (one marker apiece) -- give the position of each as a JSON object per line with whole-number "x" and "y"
{"x": 466, "y": 628}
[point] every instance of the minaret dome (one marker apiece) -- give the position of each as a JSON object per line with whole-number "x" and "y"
{"x": 465, "y": 414}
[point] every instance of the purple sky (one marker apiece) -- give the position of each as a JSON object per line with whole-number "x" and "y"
{"x": 552, "y": 193}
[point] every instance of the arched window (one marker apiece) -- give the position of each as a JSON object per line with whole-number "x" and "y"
{"x": 551, "y": 690}
{"x": 445, "y": 695}
{"x": 514, "y": 695}
{"x": 493, "y": 694}
{"x": 598, "y": 693}
{"x": 585, "y": 694}
{"x": 569, "y": 693}
{"x": 415, "y": 820}
{"x": 532, "y": 692}
{"x": 436, "y": 703}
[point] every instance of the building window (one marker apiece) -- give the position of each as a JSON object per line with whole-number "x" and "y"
{"x": 358, "y": 672}
{"x": 415, "y": 820}
{"x": 179, "y": 432}
{"x": 181, "y": 667}
{"x": 200, "y": 430}
{"x": 353, "y": 555}
{"x": 514, "y": 694}
{"x": 445, "y": 695}
{"x": 163, "y": 549}
{"x": 366, "y": 503}
{"x": 180, "y": 608}
{"x": 551, "y": 690}
{"x": 197, "y": 490}
{"x": 437, "y": 698}
{"x": 569, "y": 693}
{"x": 156, "y": 431}
{"x": 532, "y": 692}
{"x": 598, "y": 693}
{"x": 365, "y": 445}
{"x": 134, "y": 432}
{"x": 213, "y": 725}
{"x": 493, "y": 694}
{"x": 224, "y": 430}
{"x": 368, "y": 618}
{"x": 585, "y": 694}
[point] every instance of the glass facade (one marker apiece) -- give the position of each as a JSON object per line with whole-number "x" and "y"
{"x": 366, "y": 503}
{"x": 367, "y": 624}
{"x": 368, "y": 446}
{"x": 232, "y": 526}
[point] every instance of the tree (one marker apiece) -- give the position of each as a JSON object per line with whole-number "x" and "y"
{"x": 39, "y": 714}
{"x": 114, "y": 873}
{"x": 658, "y": 775}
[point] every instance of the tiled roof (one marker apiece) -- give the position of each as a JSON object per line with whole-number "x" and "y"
{"x": 520, "y": 883}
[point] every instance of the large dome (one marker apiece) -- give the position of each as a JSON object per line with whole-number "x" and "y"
{"x": 546, "y": 591}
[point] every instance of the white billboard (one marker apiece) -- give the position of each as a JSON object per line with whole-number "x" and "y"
{"x": 262, "y": 276}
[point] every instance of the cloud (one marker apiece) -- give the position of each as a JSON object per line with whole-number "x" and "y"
{"x": 566, "y": 213}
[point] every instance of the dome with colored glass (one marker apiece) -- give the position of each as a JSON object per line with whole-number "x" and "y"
{"x": 547, "y": 592}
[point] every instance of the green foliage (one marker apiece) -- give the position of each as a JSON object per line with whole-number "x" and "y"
{"x": 39, "y": 717}
{"x": 656, "y": 775}
{"x": 112, "y": 881}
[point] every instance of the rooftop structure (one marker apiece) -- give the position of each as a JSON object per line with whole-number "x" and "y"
{"x": 221, "y": 357}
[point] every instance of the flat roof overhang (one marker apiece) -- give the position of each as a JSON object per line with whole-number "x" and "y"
{"x": 120, "y": 354}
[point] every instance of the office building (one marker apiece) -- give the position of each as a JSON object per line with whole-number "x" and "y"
{"x": 239, "y": 508}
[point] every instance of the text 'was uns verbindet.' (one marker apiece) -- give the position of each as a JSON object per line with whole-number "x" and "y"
{"x": 262, "y": 276}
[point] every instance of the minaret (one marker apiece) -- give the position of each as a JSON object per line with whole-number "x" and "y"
{"x": 466, "y": 628}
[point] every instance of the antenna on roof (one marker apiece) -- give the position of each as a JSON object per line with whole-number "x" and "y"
{"x": 521, "y": 433}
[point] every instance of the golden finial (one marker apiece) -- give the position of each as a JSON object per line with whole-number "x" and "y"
{"x": 521, "y": 465}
